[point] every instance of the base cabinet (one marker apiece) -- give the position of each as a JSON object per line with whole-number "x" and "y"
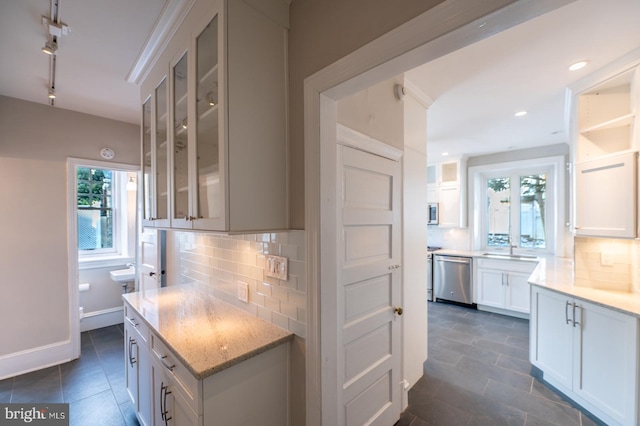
{"x": 503, "y": 285}
{"x": 165, "y": 393}
{"x": 587, "y": 351}
{"x": 137, "y": 368}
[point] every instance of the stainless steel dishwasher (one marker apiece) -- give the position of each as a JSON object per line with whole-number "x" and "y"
{"x": 452, "y": 278}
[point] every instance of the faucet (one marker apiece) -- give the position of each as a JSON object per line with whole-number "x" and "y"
{"x": 511, "y": 247}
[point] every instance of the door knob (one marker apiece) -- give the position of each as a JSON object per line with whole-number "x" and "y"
{"x": 151, "y": 274}
{"x": 398, "y": 310}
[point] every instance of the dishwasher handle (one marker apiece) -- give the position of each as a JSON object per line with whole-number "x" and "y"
{"x": 464, "y": 260}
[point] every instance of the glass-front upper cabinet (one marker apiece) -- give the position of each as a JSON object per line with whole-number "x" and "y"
{"x": 210, "y": 201}
{"x": 146, "y": 164}
{"x": 181, "y": 213}
{"x": 161, "y": 157}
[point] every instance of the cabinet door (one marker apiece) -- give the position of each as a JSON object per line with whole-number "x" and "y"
{"x": 147, "y": 168}
{"x": 491, "y": 287}
{"x": 181, "y": 213}
{"x": 606, "y": 197}
{"x": 169, "y": 406}
{"x": 605, "y": 370}
{"x": 449, "y": 206}
{"x": 209, "y": 197}
{"x": 160, "y": 158}
{"x": 518, "y": 292}
{"x": 131, "y": 354}
{"x": 551, "y": 337}
{"x": 144, "y": 386}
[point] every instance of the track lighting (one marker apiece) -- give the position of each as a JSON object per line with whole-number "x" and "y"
{"x": 52, "y": 94}
{"x": 210, "y": 99}
{"x": 50, "y": 47}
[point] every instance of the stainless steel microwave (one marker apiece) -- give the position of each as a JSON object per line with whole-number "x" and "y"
{"x": 432, "y": 212}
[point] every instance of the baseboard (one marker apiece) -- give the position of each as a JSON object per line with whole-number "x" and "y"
{"x": 35, "y": 359}
{"x": 506, "y": 312}
{"x": 103, "y": 318}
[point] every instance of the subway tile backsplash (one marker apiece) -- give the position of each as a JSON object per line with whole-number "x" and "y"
{"x": 221, "y": 261}
{"x": 607, "y": 264}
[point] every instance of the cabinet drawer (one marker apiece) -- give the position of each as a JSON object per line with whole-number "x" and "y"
{"x": 186, "y": 382}
{"x": 506, "y": 265}
{"x": 132, "y": 318}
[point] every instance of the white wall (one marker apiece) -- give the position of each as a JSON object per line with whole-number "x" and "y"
{"x": 35, "y": 140}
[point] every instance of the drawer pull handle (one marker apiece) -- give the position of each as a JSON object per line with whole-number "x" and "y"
{"x": 132, "y": 360}
{"x": 166, "y": 365}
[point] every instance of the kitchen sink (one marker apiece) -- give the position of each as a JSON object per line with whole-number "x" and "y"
{"x": 510, "y": 256}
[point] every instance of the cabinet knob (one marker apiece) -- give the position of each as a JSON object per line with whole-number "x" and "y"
{"x": 398, "y": 310}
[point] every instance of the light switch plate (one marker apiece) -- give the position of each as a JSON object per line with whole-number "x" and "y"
{"x": 276, "y": 267}
{"x": 243, "y": 291}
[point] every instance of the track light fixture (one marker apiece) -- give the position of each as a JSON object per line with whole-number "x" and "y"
{"x": 52, "y": 93}
{"x": 50, "y": 48}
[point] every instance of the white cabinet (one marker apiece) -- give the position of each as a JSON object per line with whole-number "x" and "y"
{"x": 137, "y": 365}
{"x": 606, "y": 191}
{"x": 215, "y": 115}
{"x": 165, "y": 392}
{"x": 588, "y": 352}
{"x": 605, "y": 139}
{"x": 446, "y": 185}
{"x": 502, "y": 285}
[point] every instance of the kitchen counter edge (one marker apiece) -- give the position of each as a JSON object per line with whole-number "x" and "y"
{"x": 279, "y": 335}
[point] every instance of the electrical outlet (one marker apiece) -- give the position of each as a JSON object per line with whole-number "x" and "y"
{"x": 606, "y": 258}
{"x": 243, "y": 291}
{"x": 276, "y": 267}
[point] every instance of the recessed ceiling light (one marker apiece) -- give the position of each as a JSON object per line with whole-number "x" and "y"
{"x": 444, "y": 154}
{"x": 577, "y": 65}
{"x": 520, "y": 113}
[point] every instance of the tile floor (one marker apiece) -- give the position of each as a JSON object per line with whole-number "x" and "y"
{"x": 93, "y": 385}
{"x": 478, "y": 373}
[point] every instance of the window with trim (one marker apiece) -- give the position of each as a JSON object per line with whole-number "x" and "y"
{"x": 95, "y": 210}
{"x": 516, "y": 211}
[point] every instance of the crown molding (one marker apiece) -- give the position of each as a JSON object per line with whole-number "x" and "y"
{"x": 170, "y": 18}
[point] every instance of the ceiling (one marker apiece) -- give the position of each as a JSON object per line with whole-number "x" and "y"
{"x": 476, "y": 89}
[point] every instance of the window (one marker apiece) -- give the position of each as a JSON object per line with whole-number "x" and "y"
{"x": 95, "y": 202}
{"x": 524, "y": 224}
{"x": 102, "y": 212}
{"x": 519, "y": 203}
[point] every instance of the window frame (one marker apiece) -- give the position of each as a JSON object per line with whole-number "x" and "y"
{"x": 78, "y": 259}
{"x": 515, "y": 207}
{"x": 553, "y": 167}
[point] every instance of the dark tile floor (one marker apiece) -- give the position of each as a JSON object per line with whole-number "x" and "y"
{"x": 93, "y": 385}
{"x": 478, "y": 373}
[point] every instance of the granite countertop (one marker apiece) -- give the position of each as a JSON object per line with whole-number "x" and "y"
{"x": 556, "y": 274}
{"x": 207, "y": 334}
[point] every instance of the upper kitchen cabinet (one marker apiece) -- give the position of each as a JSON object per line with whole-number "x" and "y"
{"x": 227, "y": 137}
{"x": 446, "y": 185}
{"x": 605, "y": 141}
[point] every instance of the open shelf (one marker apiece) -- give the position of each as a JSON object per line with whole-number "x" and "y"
{"x": 625, "y": 120}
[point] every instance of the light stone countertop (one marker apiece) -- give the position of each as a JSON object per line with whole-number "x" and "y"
{"x": 556, "y": 274}
{"x": 205, "y": 333}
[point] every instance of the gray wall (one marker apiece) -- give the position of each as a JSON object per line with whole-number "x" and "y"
{"x": 35, "y": 141}
{"x": 322, "y": 32}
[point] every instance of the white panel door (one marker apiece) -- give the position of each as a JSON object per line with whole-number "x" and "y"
{"x": 149, "y": 259}
{"x": 369, "y": 344}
